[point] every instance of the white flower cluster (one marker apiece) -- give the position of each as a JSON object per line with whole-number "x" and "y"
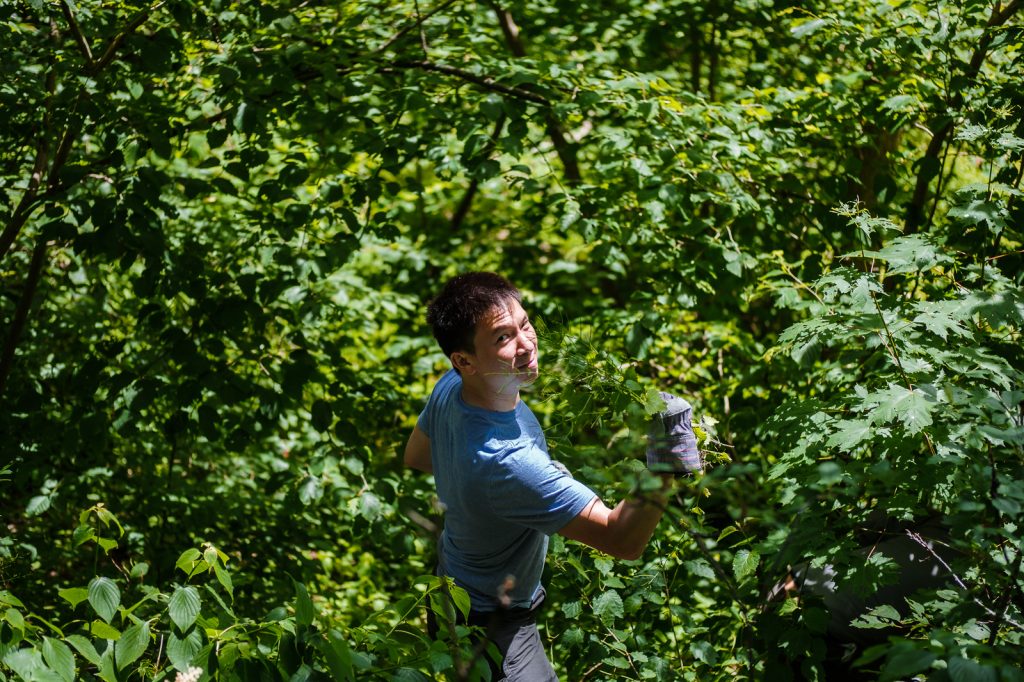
{"x": 191, "y": 675}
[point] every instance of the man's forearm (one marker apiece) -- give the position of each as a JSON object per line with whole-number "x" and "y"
{"x": 633, "y": 521}
{"x": 622, "y": 532}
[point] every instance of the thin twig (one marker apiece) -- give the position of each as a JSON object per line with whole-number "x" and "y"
{"x": 108, "y": 54}
{"x": 960, "y": 583}
{"x": 76, "y": 30}
{"x": 35, "y": 269}
{"x": 418, "y": 23}
{"x": 486, "y": 82}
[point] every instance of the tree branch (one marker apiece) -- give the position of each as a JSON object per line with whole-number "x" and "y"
{"x": 76, "y": 30}
{"x": 35, "y": 268}
{"x": 486, "y": 82}
{"x": 960, "y": 583}
{"x": 108, "y": 54}
{"x": 565, "y": 150}
{"x": 24, "y": 208}
{"x": 915, "y": 209}
{"x": 467, "y": 198}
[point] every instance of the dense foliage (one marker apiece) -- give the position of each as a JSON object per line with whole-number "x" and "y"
{"x": 220, "y": 223}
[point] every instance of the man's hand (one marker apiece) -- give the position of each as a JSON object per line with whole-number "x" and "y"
{"x": 671, "y": 444}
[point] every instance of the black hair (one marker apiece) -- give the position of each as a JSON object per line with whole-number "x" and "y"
{"x": 462, "y": 303}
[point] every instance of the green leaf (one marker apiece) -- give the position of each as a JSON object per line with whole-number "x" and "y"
{"x": 339, "y": 659}
{"x": 745, "y": 563}
{"x": 304, "y": 611}
{"x": 941, "y": 318}
{"x": 980, "y": 211}
{"x": 104, "y": 597}
{"x": 181, "y": 650}
{"x": 188, "y": 559}
{"x": 224, "y": 578}
{"x": 851, "y": 433}
{"x": 700, "y": 568}
{"x": 806, "y": 28}
{"x": 184, "y": 607}
{"x": 906, "y": 663}
{"x": 900, "y": 103}
{"x": 132, "y": 645}
{"x": 965, "y": 670}
{"x": 8, "y": 598}
{"x": 104, "y": 631}
{"x": 310, "y": 490}
{"x": 27, "y": 663}
{"x": 909, "y": 255}
{"x": 59, "y": 657}
{"x": 911, "y": 407}
{"x": 653, "y": 402}
{"x": 572, "y": 609}
{"x": 14, "y": 617}
{"x": 608, "y": 606}
{"x": 84, "y": 647}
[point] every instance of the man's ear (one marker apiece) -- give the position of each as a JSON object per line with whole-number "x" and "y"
{"x": 463, "y": 362}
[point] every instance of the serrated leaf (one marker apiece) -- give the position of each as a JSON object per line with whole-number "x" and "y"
{"x": 653, "y": 402}
{"x": 940, "y": 319}
{"x": 573, "y": 637}
{"x": 572, "y": 609}
{"x": 851, "y": 433}
{"x": 570, "y": 215}
{"x": 59, "y": 657}
{"x": 745, "y": 563}
{"x": 182, "y": 649}
{"x": 608, "y": 606}
{"x": 310, "y": 490}
{"x": 912, "y": 407}
{"x": 980, "y": 211}
{"x": 909, "y": 254}
{"x": 104, "y": 597}
{"x": 184, "y": 607}
{"x": 132, "y": 645}
{"x": 700, "y": 568}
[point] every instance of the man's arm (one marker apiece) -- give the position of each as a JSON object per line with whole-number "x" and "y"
{"x": 417, "y": 451}
{"x": 622, "y": 532}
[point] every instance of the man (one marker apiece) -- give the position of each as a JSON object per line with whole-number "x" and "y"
{"x": 502, "y": 494}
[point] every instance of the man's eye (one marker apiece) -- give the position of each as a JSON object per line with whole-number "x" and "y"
{"x": 502, "y": 338}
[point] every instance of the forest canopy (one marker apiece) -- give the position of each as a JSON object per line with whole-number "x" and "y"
{"x": 220, "y": 224}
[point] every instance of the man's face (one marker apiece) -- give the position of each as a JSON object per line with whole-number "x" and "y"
{"x": 505, "y": 345}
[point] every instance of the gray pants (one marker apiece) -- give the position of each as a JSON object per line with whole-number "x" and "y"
{"x": 514, "y": 633}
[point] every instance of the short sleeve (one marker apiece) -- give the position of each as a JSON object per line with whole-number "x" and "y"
{"x": 527, "y": 488}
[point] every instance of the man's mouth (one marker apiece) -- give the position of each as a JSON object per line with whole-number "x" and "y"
{"x": 530, "y": 363}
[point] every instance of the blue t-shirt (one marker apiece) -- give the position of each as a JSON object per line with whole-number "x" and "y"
{"x": 502, "y": 495}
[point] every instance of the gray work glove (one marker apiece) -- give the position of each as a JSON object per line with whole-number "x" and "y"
{"x": 671, "y": 444}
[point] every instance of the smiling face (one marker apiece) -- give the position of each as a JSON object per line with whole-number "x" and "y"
{"x": 504, "y": 357}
